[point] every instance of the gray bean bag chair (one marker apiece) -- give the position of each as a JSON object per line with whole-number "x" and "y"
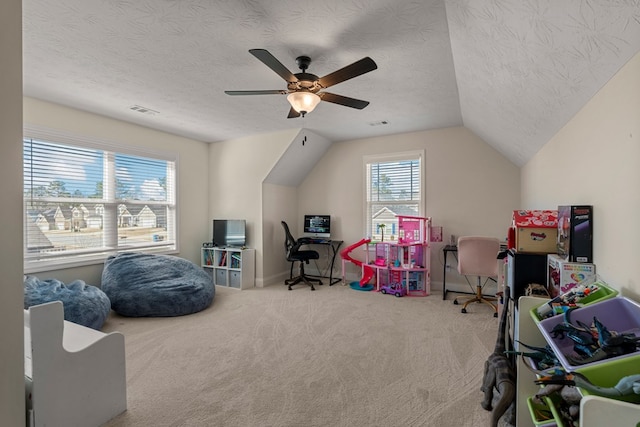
{"x": 145, "y": 285}
{"x": 83, "y": 304}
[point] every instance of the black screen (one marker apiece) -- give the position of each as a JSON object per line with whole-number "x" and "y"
{"x": 229, "y": 232}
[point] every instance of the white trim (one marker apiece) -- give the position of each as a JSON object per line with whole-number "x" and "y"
{"x": 419, "y": 155}
{"x": 90, "y": 257}
{"x": 75, "y": 261}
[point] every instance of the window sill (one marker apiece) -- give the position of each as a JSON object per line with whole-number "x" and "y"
{"x": 84, "y": 261}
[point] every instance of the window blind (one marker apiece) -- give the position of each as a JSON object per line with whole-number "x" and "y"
{"x": 393, "y": 188}
{"x": 82, "y": 202}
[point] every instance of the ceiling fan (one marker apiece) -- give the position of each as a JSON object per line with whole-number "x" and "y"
{"x": 304, "y": 90}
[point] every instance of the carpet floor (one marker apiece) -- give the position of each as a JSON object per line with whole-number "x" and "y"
{"x": 333, "y": 357}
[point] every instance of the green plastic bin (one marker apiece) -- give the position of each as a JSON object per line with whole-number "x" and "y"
{"x": 608, "y": 374}
{"x": 541, "y": 414}
{"x": 604, "y": 292}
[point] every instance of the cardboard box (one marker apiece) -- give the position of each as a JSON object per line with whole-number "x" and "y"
{"x": 575, "y": 233}
{"x": 564, "y": 275}
{"x": 536, "y": 231}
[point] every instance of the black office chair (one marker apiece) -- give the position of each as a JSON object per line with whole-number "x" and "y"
{"x": 294, "y": 254}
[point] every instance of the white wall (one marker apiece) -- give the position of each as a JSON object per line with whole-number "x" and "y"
{"x": 237, "y": 170}
{"x": 594, "y": 160}
{"x": 192, "y": 179}
{"x": 11, "y": 293}
{"x": 470, "y": 187}
{"x": 279, "y": 204}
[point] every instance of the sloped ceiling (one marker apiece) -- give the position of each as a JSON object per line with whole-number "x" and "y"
{"x": 512, "y": 71}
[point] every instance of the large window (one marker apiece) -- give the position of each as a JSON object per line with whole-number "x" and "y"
{"x": 394, "y": 186}
{"x": 85, "y": 200}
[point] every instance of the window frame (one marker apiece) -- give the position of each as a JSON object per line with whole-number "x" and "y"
{"x": 93, "y": 257}
{"x": 385, "y": 158}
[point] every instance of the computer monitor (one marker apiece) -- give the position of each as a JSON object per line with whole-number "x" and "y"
{"x": 317, "y": 226}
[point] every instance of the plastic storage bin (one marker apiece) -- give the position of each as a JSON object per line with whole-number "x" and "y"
{"x": 608, "y": 374}
{"x": 604, "y": 292}
{"x": 617, "y": 314}
{"x": 541, "y": 414}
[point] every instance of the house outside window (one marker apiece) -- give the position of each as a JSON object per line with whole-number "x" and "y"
{"x": 394, "y": 186}
{"x": 86, "y": 200}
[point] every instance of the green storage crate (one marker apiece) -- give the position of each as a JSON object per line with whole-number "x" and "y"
{"x": 556, "y": 413}
{"x": 604, "y": 292}
{"x": 541, "y": 414}
{"x": 608, "y": 374}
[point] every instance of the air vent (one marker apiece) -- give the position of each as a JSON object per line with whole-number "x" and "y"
{"x": 144, "y": 110}
{"x": 380, "y": 123}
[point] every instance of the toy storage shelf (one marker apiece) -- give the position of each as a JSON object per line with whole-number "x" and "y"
{"x": 595, "y": 411}
{"x": 230, "y": 267}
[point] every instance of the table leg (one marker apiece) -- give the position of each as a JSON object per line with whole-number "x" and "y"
{"x": 444, "y": 277}
{"x": 334, "y": 248}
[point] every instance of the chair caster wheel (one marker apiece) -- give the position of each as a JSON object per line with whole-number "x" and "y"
{"x": 464, "y": 310}
{"x": 455, "y": 302}
{"x": 495, "y": 314}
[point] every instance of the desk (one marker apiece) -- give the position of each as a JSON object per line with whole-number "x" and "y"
{"x": 454, "y": 250}
{"x": 334, "y": 245}
{"x": 446, "y": 250}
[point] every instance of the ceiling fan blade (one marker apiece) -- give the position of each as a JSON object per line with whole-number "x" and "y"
{"x": 256, "y": 92}
{"x": 350, "y": 71}
{"x": 271, "y": 62}
{"x": 343, "y": 100}
{"x": 293, "y": 114}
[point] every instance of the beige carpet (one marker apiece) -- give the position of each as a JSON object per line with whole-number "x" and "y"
{"x": 333, "y": 357}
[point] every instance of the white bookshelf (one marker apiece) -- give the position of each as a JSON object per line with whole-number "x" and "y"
{"x": 230, "y": 267}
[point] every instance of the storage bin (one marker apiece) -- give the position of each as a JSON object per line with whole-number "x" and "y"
{"x": 617, "y": 314}
{"x": 608, "y": 374}
{"x": 541, "y": 414}
{"x": 604, "y": 292}
{"x": 559, "y": 421}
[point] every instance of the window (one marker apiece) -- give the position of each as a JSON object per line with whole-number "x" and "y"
{"x": 393, "y": 187}
{"x": 85, "y": 200}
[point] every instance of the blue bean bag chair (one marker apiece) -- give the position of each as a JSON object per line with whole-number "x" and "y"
{"x": 146, "y": 285}
{"x": 83, "y": 304}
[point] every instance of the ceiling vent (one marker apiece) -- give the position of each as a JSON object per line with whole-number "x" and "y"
{"x": 380, "y": 123}
{"x": 144, "y": 110}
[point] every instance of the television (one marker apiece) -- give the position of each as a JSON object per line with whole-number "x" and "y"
{"x": 229, "y": 232}
{"x": 317, "y": 226}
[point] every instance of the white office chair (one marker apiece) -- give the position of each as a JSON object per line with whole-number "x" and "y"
{"x": 477, "y": 256}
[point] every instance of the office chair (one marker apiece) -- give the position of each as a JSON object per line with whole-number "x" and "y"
{"x": 477, "y": 256}
{"x": 294, "y": 254}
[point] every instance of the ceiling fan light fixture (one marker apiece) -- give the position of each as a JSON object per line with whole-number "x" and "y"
{"x": 303, "y": 102}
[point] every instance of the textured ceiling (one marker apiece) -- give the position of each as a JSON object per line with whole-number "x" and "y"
{"x": 512, "y": 71}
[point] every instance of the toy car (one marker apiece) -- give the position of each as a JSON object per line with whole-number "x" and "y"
{"x": 393, "y": 289}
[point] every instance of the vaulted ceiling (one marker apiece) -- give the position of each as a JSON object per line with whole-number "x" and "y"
{"x": 512, "y": 71}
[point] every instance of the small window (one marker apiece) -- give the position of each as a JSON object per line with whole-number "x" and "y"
{"x": 393, "y": 187}
{"x": 85, "y": 200}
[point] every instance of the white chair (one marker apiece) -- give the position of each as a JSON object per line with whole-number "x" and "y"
{"x": 477, "y": 256}
{"x": 74, "y": 375}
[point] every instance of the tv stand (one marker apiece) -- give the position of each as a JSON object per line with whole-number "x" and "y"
{"x": 230, "y": 267}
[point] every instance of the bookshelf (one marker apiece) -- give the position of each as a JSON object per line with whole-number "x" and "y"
{"x": 230, "y": 267}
